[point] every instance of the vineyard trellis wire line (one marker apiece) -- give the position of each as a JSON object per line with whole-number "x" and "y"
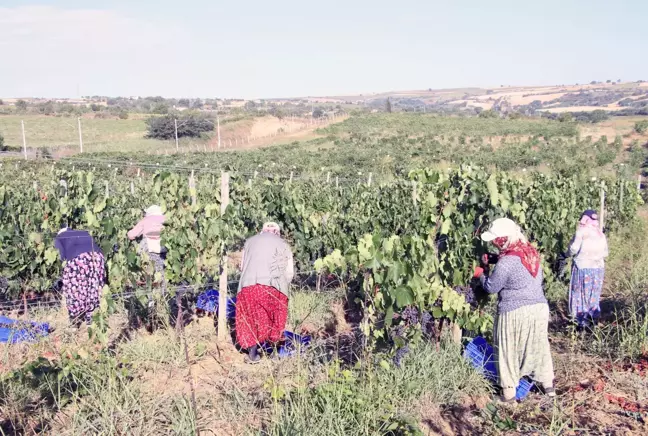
{"x": 331, "y": 180}
{"x": 8, "y": 305}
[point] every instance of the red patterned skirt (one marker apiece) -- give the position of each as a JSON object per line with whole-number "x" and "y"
{"x": 261, "y": 314}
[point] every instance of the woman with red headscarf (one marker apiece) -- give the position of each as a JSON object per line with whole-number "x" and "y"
{"x": 589, "y": 248}
{"x": 521, "y": 340}
{"x": 262, "y": 301}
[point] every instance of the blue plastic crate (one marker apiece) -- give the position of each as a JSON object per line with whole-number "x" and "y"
{"x": 293, "y": 343}
{"x": 13, "y": 331}
{"x": 480, "y": 355}
{"x": 208, "y": 301}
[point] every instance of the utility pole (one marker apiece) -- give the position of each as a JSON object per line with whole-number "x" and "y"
{"x": 22, "y": 124}
{"x": 175, "y": 121}
{"x": 218, "y": 127}
{"x": 80, "y": 135}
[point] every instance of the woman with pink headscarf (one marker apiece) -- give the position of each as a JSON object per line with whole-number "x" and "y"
{"x": 589, "y": 248}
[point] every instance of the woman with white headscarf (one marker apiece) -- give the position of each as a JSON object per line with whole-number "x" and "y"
{"x": 150, "y": 228}
{"x": 589, "y": 248}
{"x": 521, "y": 340}
{"x": 262, "y": 301}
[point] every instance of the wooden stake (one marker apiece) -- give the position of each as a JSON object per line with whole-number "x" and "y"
{"x": 414, "y": 192}
{"x": 602, "y": 210}
{"x": 369, "y": 180}
{"x": 291, "y": 177}
{"x": 621, "y": 186}
{"x": 222, "y": 285}
{"x": 192, "y": 188}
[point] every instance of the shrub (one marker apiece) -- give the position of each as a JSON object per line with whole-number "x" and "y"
{"x": 641, "y": 127}
{"x": 190, "y": 124}
{"x": 123, "y": 115}
{"x": 488, "y": 114}
{"x": 565, "y": 117}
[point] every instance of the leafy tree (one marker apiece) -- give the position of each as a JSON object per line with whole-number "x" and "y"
{"x": 190, "y": 124}
{"x": 388, "y": 106}
{"x": 197, "y": 104}
{"x": 46, "y": 108}
{"x": 2, "y": 147}
{"x": 160, "y": 108}
{"x": 276, "y": 112}
{"x": 123, "y": 115}
{"x": 598, "y": 115}
{"x": 318, "y": 113}
{"x": 250, "y": 105}
{"x": 95, "y": 107}
{"x": 1, "y": 102}
{"x": 565, "y": 117}
{"x": 184, "y": 102}
{"x": 21, "y": 105}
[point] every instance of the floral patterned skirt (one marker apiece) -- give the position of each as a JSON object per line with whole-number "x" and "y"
{"x": 585, "y": 294}
{"x": 261, "y": 314}
{"x": 83, "y": 279}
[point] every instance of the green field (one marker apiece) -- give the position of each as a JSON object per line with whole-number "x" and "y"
{"x": 99, "y": 135}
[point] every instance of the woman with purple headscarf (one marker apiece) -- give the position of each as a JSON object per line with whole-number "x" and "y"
{"x": 589, "y": 248}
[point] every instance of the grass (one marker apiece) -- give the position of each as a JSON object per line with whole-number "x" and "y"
{"x": 376, "y": 399}
{"x": 99, "y": 135}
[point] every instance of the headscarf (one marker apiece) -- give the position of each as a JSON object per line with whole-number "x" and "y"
{"x": 589, "y": 220}
{"x": 509, "y": 239}
{"x": 271, "y": 227}
{"x": 154, "y": 210}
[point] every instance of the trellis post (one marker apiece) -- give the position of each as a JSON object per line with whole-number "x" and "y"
{"x": 222, "y": 284}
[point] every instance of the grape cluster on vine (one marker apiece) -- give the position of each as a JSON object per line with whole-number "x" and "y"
{"x": 410, "y": 315}
{"x": 400, "y": 353}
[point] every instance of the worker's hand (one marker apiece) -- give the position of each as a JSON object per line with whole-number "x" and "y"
{"x": 484, "y": 259}
{"x": 479, "y": 271}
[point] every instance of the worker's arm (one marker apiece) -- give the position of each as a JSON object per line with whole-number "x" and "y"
{"x": 576, "y": 243}
{"x": 136, "y": 231}
{"x": 497, "y": 280}
{"x": 290, "y": 266}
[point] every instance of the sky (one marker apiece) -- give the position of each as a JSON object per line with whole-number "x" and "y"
{"x": 285, "y": 48}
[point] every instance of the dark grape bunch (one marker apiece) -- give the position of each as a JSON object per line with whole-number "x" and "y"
{"x": 115, "y": 248}
{"x": 468, "y": 293}
{"x": 4, "y": 285}
{"x": 400, "y": 353}
{"x": 398, "y": 332}
{"x": 410, "y": 315}
{"x": 428, "y": 326}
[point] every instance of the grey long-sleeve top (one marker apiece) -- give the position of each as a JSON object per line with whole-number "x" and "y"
{"x": 267, "y": 260}
{"x": 515, "y": 286}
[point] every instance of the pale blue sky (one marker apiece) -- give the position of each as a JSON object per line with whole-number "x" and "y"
{"x": 252, "y": 49}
